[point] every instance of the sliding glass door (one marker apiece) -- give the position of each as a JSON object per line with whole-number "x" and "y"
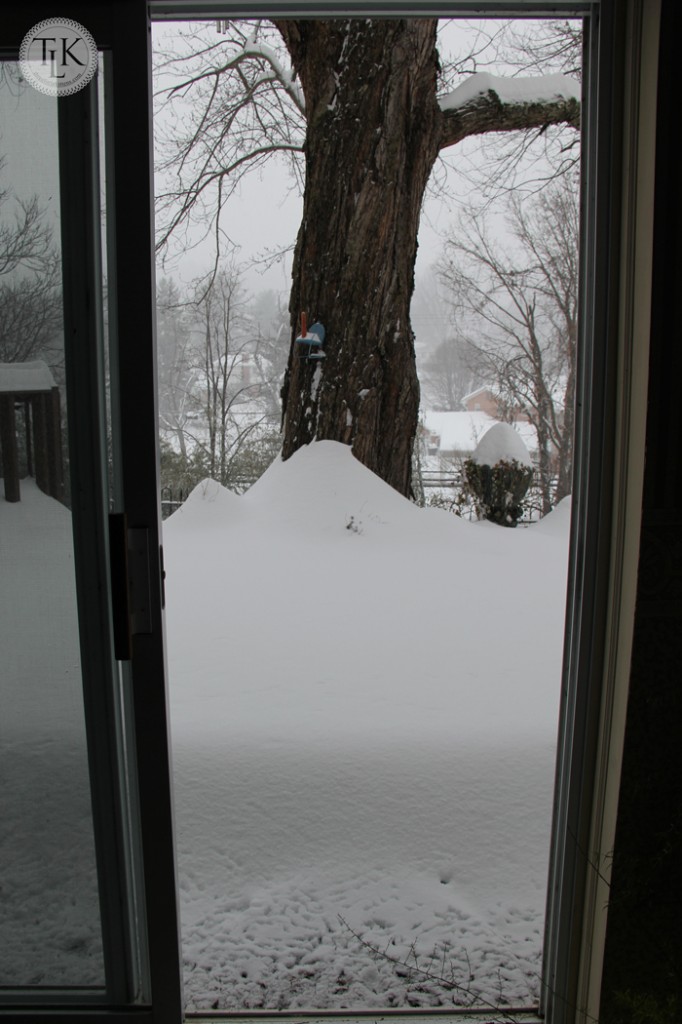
{"x": 88, "y": 885}
{"x": 88, "y": 894}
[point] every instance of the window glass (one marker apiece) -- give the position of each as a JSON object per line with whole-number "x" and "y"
{"x": 50, "y": 932}
{"x": 364, "y": 693}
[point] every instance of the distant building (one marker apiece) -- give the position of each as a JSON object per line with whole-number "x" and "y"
{"x": 455, "y": 435}
{"x": 489, "y": 399}
{"x": 29, "y": 390}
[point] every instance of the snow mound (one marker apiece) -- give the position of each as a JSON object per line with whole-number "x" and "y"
{"x": 364, "y": 699}
{"x": 210, "y": 505}
{"x": 323, "y": 484}
{"x": 501, "y": 443}
{"x": 556, "y": 523}
{"x": 363, "y": 733}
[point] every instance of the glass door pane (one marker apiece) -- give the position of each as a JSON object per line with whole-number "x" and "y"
{"x": 50, "y": 926}
{"x": 364, "y": 694}
{"x": 87, "y": 872}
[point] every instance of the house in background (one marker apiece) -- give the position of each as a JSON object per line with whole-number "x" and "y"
{"x": 449, "y": 436}
{"x": 35, "y": 439}
{"x": 489, "y": 399}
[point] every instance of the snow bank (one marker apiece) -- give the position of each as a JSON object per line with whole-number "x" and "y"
{"x": 330, "y": 608}
{"x": 364, "y": 700}
{"x": 323, "y": 487}
{"x": 209, "y": 507}
{"x": 49, "y": 925}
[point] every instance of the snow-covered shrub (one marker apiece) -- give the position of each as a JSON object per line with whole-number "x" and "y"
{"x": 498, "y": 491}
{"x": 498, "y": 475}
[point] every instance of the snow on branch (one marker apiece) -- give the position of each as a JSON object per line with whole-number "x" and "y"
{"x": 286, "y": 77}
{"x": 489, "y": 103}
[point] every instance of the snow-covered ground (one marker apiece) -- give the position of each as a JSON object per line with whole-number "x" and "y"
{"x": 49, "y": 910}
{"x": 364, "y": 701}
{"x": 364, "y": 698}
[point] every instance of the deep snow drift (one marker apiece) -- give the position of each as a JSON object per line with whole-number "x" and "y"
{"x": 364, "y": 699}
{"x": 49, "y": 910}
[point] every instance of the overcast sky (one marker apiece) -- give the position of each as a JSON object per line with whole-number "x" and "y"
{"x": 265, "y": 213}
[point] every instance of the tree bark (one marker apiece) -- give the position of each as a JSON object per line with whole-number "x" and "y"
{"x": 372, "y": 139}
{"x": 487, "y": 113}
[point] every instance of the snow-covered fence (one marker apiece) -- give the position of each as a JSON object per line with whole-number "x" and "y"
{"x": 436, "y": 479}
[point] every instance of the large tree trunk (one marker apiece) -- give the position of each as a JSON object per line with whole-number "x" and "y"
{"x": 372, "y": 138}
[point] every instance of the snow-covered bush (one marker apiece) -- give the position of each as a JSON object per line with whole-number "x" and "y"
{"x": 498, "y": 490}
{"x": 498, "y": 475}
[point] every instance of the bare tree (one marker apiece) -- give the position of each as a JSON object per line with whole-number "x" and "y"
{"x": 26, "y": 240}
{"x": 226, "y": 104}
{"x": 361, "y": 99}
{"x": 31, "y": 318}
{"x": 270, "y": 319}
{"x": 447, "y": 366}
{"x": 225, "y": 384}
{"x": 549, "y": 44}
{"x": 30, "y": 283}
{"x": 176, "y": 368}
{"x": 520, "y": 301}
{"x": 450, "y": 372}
{"x": 221, "y": 357}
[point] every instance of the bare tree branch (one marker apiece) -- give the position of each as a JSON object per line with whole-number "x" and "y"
{"x": 235, "y": 107}
{"x": 25, "y": 237}
{"x": 521, "y": 309}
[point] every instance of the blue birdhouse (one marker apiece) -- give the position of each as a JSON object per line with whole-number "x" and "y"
{"x": 310, "y": 340}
